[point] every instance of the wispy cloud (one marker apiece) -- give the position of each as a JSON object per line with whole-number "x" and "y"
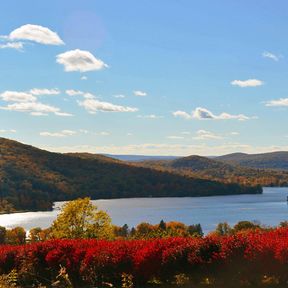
{"x": 204, "y": 114}
{"x": 86, "y": 95}
{"x": 247, "y": 83}
{"x": 150, "y": 116}
{"x": 270, "y": 55}
{"x": 2, "y": 131}
{"x": 93, "y": 106}
{"x": 206, "y": 135}
{"x": 139, "y": 93}
{"x": 175, "y": 137}
{"x": 119, "y": 96}
{"x": 44, "y": 91}
{"x": 12, "y": 45}
{"x": 72, "y": 92}
{"x": 279, "y": 102}
{"x": 35, "y": 109}
{"x": 63, "y": 133}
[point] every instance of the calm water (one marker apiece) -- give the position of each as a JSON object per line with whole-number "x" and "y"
{"x": 270, "y": 208}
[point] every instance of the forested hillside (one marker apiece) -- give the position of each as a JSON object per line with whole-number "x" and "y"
{"x": 32, "y": 179}
{"x": 214, "y": 169}
{"x": 273, "y": 160}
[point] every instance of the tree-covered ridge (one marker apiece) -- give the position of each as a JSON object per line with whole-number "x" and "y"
{"x": 273, "y": 160}
{"x": 32, "y": 179}
{"x": 214, "y": 169}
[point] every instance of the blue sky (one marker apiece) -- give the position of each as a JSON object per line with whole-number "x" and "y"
{"x": 161, "y": 77}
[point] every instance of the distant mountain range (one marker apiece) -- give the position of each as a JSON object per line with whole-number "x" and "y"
{"x": 272, "y": 160}
{"x": 32, "y": 179}
{"x": 138, "y": 158}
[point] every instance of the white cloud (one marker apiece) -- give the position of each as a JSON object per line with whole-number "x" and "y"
{"x": 139, "y": 93}
{"x": 247, "y": 83}
{"x": 89, "y": 96}
{"x": 204, "y": 114}
{"x": 235, "y": 133}
{"x": 79, "y": 60}
{"x": 34, "y": 109}
{"x": 93, "y": 106}
{"x": 84, "y": 78}
{"x": 15, "y": 96}
{"x": 278, "y": 103}
{"x": 270, "y": 55}
{"x": 185, "y": 133}
{"x": 2, "y": 131}
{"x": 175, "y": 137}
{"x": 63, "y": 133}
{"x": 12, "y": 45}
{"x": 150, "y": 116}
{"x": 39, "y": 92}
{"x": 206, "y": 135}
{"x": 36, "y": 33}
{"x": 103, "y": 133}
{"x": 72, "y": 92}
{"x": 182, "y": 114}
{"x": 85, "y": 95}
{"x": 119, "y": 96}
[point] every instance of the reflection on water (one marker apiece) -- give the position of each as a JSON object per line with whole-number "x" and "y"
{"x": 269, "y": 208}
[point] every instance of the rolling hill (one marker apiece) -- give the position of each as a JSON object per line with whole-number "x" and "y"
{"x": 274, "y": 160}
{"x": 224, "y": 171}
{"x": 32, "y": 179}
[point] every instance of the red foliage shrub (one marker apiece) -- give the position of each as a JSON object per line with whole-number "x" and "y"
{"x": 244, "y": 257}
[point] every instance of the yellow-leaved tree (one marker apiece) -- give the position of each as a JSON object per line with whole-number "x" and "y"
{"x": 81, "y": 219}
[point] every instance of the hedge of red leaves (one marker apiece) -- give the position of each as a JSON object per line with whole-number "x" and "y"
{"x": 242, "y": 258}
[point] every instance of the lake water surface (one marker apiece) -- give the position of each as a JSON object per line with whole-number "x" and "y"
{"x": 269, "y": 208}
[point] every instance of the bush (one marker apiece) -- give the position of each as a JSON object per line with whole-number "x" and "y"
{"x": 250, "y": 257}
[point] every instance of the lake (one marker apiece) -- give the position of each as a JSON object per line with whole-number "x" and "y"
{"x": 268, "y": 208}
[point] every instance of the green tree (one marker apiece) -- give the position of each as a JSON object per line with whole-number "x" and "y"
{"x": 35, "y": 234}
{"x": 81, "y": 219}
{"x": 144, "y": 230}
{"x": 245, "y": 225}
{"x": 195, "y": 230}
{"x": 162, "y": 225}
{"x": 223, "y": 229}
{"x": 16, "y": 236}
{"x": 121, "y": 231}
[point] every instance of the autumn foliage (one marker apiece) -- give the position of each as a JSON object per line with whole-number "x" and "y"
{"x": 249, "y": 258}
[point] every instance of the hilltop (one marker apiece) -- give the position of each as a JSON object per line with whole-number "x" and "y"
{"x": 32, "y": 179}
{"x": 220, "y": 169}
{"x": 273, "y": 160}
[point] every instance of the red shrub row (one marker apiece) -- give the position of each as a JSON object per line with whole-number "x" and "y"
{"x": 246, "y": 257}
